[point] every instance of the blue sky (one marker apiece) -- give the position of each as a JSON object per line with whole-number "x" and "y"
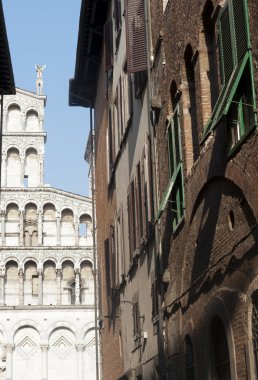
{"x": 45, "y": 32}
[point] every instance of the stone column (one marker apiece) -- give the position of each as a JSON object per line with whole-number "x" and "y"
{"x": 58, "y": 230}
{"x": 9, "y": 361}
{"x": 40, "y": 276}
{"x": 3, "y": 227}
{"x": 21, "y": 286}
{"x": 40, "y": 228}
{"x": 76, "y": 233}
{"x": 44, "y": 361}
{"x": 80, "y": 370}
{"x": 22, "y": 169}
{"x": 41, "y": 170}
{"x": 77, "y": 287}
{"x": 2, "y": 274}
{"x": 21, "y": 228}
{"x": 58, "y": 279}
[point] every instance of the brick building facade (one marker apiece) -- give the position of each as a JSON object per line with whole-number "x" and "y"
{"x": 176, "y": 184}
{"x": 208, "y": 186}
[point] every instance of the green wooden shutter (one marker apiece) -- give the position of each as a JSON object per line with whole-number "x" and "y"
{"x": 170, "y": 150}
{"x": 240, "y": 20}
{"x": 177, "y": 140}
{"x": 226, "y": 45}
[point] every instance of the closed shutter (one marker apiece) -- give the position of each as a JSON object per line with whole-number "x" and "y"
{"x": 130, "y": 225}
{"x": 144, "y": 197}
{"x": 170, "y": 150}
{"x": 107, "y": 267}
{"x": 139, "y": 203}
{"x": 226, "y": 51}
{"x": 240, "y": 27}
{"x": 135, "y": 36}
{"x": 133, "y": 205}
{"x": 108, "y": 41}
{"x": 150, "y": 180}
{"x": 113, "y": 256}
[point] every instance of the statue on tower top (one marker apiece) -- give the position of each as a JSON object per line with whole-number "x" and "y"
{"x": 39, "y": 81}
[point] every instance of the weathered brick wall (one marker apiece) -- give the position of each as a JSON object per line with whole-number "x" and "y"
{"x": 212, "y": 255}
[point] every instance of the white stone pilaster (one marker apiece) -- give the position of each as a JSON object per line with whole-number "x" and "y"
{"x": 44, "y": 361}
{"x": 80, "y": 370}
{"x": 9, "y": 361}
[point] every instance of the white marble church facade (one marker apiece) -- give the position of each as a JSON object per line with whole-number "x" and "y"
{"x": 46, "y": 259}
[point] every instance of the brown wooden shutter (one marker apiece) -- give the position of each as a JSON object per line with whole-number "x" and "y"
{"x": 144, "y": 198}
{"x": 130, "y": 224}
{"x": 135, "y": 36}
{"x": 108, "y": 41}
{"x": 139, "y": 206}
{"x": 150, "y": 180}
{"x": 113, "y": 256}
{"x": 107, "y": 267}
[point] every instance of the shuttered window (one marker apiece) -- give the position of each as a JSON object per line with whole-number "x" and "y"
{"x": 155, "y": 300}
{"x": 136, "y": 321}
{"x": 113, "y": 256}
{"x": 135, "y": 36}
{"x": 237, "y": 97}
{"x": 174, "y": 194}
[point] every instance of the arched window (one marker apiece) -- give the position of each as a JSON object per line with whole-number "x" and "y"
{"x": 31, "y": 172}
{"x": 11, "y": 284}
{"x": 13, "y": 170}
{"x": 49, "y": 283}
{"x": 31, "y": 290}
{"x": 67, "y": 228}
{"x": 190, "y": 108}
{"x": 12, "y": 225}
{"x": 84, "y": 228}
{"x": 189, "y": 359}
{"x": 255, "y": 330}
{"x": 87, "y": 283}
{"x": 220, "y": 352}
{"x": 30, "y": 225}
{"x": 14, "y": 119}
{"x": 32, "y": 121}
{"x": 68, "y": 279}
{"x": 49, "y": 224}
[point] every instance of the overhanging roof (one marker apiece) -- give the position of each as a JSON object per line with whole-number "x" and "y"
{"x": 7, "y": 85}
{"x": 83, "y": 87}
